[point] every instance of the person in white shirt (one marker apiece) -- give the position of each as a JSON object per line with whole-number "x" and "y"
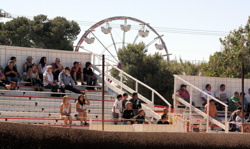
{"x": 117, "y": 108}
{"x": 208, "y": 91}
{"x": 222, "y": 96}
{"x": 247, "y": 96}
{"x": 238, "y": 120}
{"x": 48, "y": 79}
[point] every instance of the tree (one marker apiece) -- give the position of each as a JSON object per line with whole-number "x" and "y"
{"x": 152, "y": 70}
{"x": 236, "y": 49}
{"x": 17, "y": 31}
{"x": 58, "y": 33}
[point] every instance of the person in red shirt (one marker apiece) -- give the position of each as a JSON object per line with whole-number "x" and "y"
{"x": 77, "y": 72}
{"x": 184, "y": 94}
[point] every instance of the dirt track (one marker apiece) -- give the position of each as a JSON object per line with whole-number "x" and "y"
{"x": 30, "y": 136}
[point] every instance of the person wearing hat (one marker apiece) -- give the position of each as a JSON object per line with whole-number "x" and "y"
{"x": 57, "y": 68}
{"x": 77, "y": 72}
{"x": 184, "y": 94}
{"x": 26, "y": 66}
{"x": 117, "y": 108}
{"x": 66, "y": 81}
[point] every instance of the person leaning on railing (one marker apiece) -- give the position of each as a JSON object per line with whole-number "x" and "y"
{"x": 128, "y": 116}
{"x": 65, "y": 111}
{"x": 208, "y": 91}
{"x": 184, "y": 94}
{"x": 136, "y": 103}
{"x": 66, "y": 81}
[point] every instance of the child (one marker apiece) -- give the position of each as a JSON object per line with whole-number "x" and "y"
{"x": 117, "y": 108}
{"x": 125, "y": 99}
{"x": 140, "y": 118}
{"x": 65, "y": 111}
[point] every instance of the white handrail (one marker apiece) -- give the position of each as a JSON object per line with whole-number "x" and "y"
{"x": 201, "y": 91}
{"x": 137, "y": 81}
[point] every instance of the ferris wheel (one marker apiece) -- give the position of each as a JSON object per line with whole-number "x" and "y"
{"x": 99, "y": 32}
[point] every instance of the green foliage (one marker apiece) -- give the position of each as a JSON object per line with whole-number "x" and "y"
{"x": 152, "y": 70}
{"x": 41, "y": 32}
{"x": 236, "y": 49}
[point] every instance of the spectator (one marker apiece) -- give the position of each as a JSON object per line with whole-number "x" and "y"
{"x": 128, "y": 116}
{"x": 57, "y": 69}
{"x": 232, "y": 126}
{"x": 140, "y": 118}
{"x": 77, "y": 72}
{"x": 81, "y": 109}
{"x": 117, "y": 108}
{"x": 248, "y": 100}
{"x": 136, "y": 103}
{"x": 3, "y": 80}
{"x": 208, "y": 91}
{"x": 238, "y": 120}
{"x": 14, "y": 60}
{"x": 48, "y": 79}
{"x": 184, "y": 94}
{"x": 163, "y": 120}
{"x": 11, "y": 73}
{"x": 234, "y": 102}
{"x": 42, "y": 67}
{"x": 65, "y": 111}
{"x": 125, "y": 99}
{"x": 165, "y": 111}
{"x": 89, "y": 75}
{"x": 26, "y": 66}
{"x": 222, "y": 96}
{"x": 33, "y": 76}
{"x": 245, "y": 101}
{"x": 67, "y": 82}
{"x": 212, "y": 110}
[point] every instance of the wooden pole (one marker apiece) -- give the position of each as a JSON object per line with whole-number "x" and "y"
{"x": 242, "y": 95}
{"x": 103, "y": 59}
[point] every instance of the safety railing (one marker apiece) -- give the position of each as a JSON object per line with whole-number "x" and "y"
{"x": 192, "y": 108}
{"x": 122, "y": 86}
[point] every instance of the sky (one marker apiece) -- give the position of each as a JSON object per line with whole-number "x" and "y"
{"x": 221, "y": 16}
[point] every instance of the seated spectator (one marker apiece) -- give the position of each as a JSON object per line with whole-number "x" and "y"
{"x": 3, "y": 80}
{"x": 42, "y": 67}
{"x": 128, "y": 116}
{"x": 89, "y": 75}
{"x": 81, "y": 109}
{"x": 222, "y": 96}
{"x": 163, "y": 120}
{"x": 11, "y": 73}
{"x": 117, "y": 108}
{"x": 232, "y": 126}
{"x": 77, "y": 72}
{"x": 208, "y": 91}
{"x": 238, "y": 121}
{"x": 33, "y": 76}
{"x": 57, "y": 69}
{"x": 26, "y": 66}
{"x": 48, "y": 79}
{"x": 65, "y": 111}
{"x": 136, "y": 103}
{"x": 212, "y": 110}
{"x": 125, "y": 99}
{"x": 140, "y": 118}
{"x": 245, "y": 101}
{"x": 234, "y": 102}
{"x": 14, "y": 60}
{"x": 67, "y": 82}
{"x": 184, "y": 94}
{"x": 248, "y": 100}
{"x": 165, "y": 111}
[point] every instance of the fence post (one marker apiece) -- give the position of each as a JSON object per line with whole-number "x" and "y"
{"x": 190, "y": 108}
{"x": 226, "y": 123}
{"x": 121, "y": 79}
{"x": 207, "y": 112}
{"x": 103, "y": 59}
{"x": 153, "y": 97}
{"x": 136, "y": 86}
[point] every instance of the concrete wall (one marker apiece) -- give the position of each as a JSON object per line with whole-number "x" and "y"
{"x": 21, "y": 53}
{"x": 232, "y": 85}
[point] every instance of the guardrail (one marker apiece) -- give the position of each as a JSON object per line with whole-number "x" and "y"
{"x": 205, "y": 115}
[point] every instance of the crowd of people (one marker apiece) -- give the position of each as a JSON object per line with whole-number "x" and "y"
{"x": 131, "y": 111}
{"x": 234, "y": 103}
{"x": 53, "y": 76}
